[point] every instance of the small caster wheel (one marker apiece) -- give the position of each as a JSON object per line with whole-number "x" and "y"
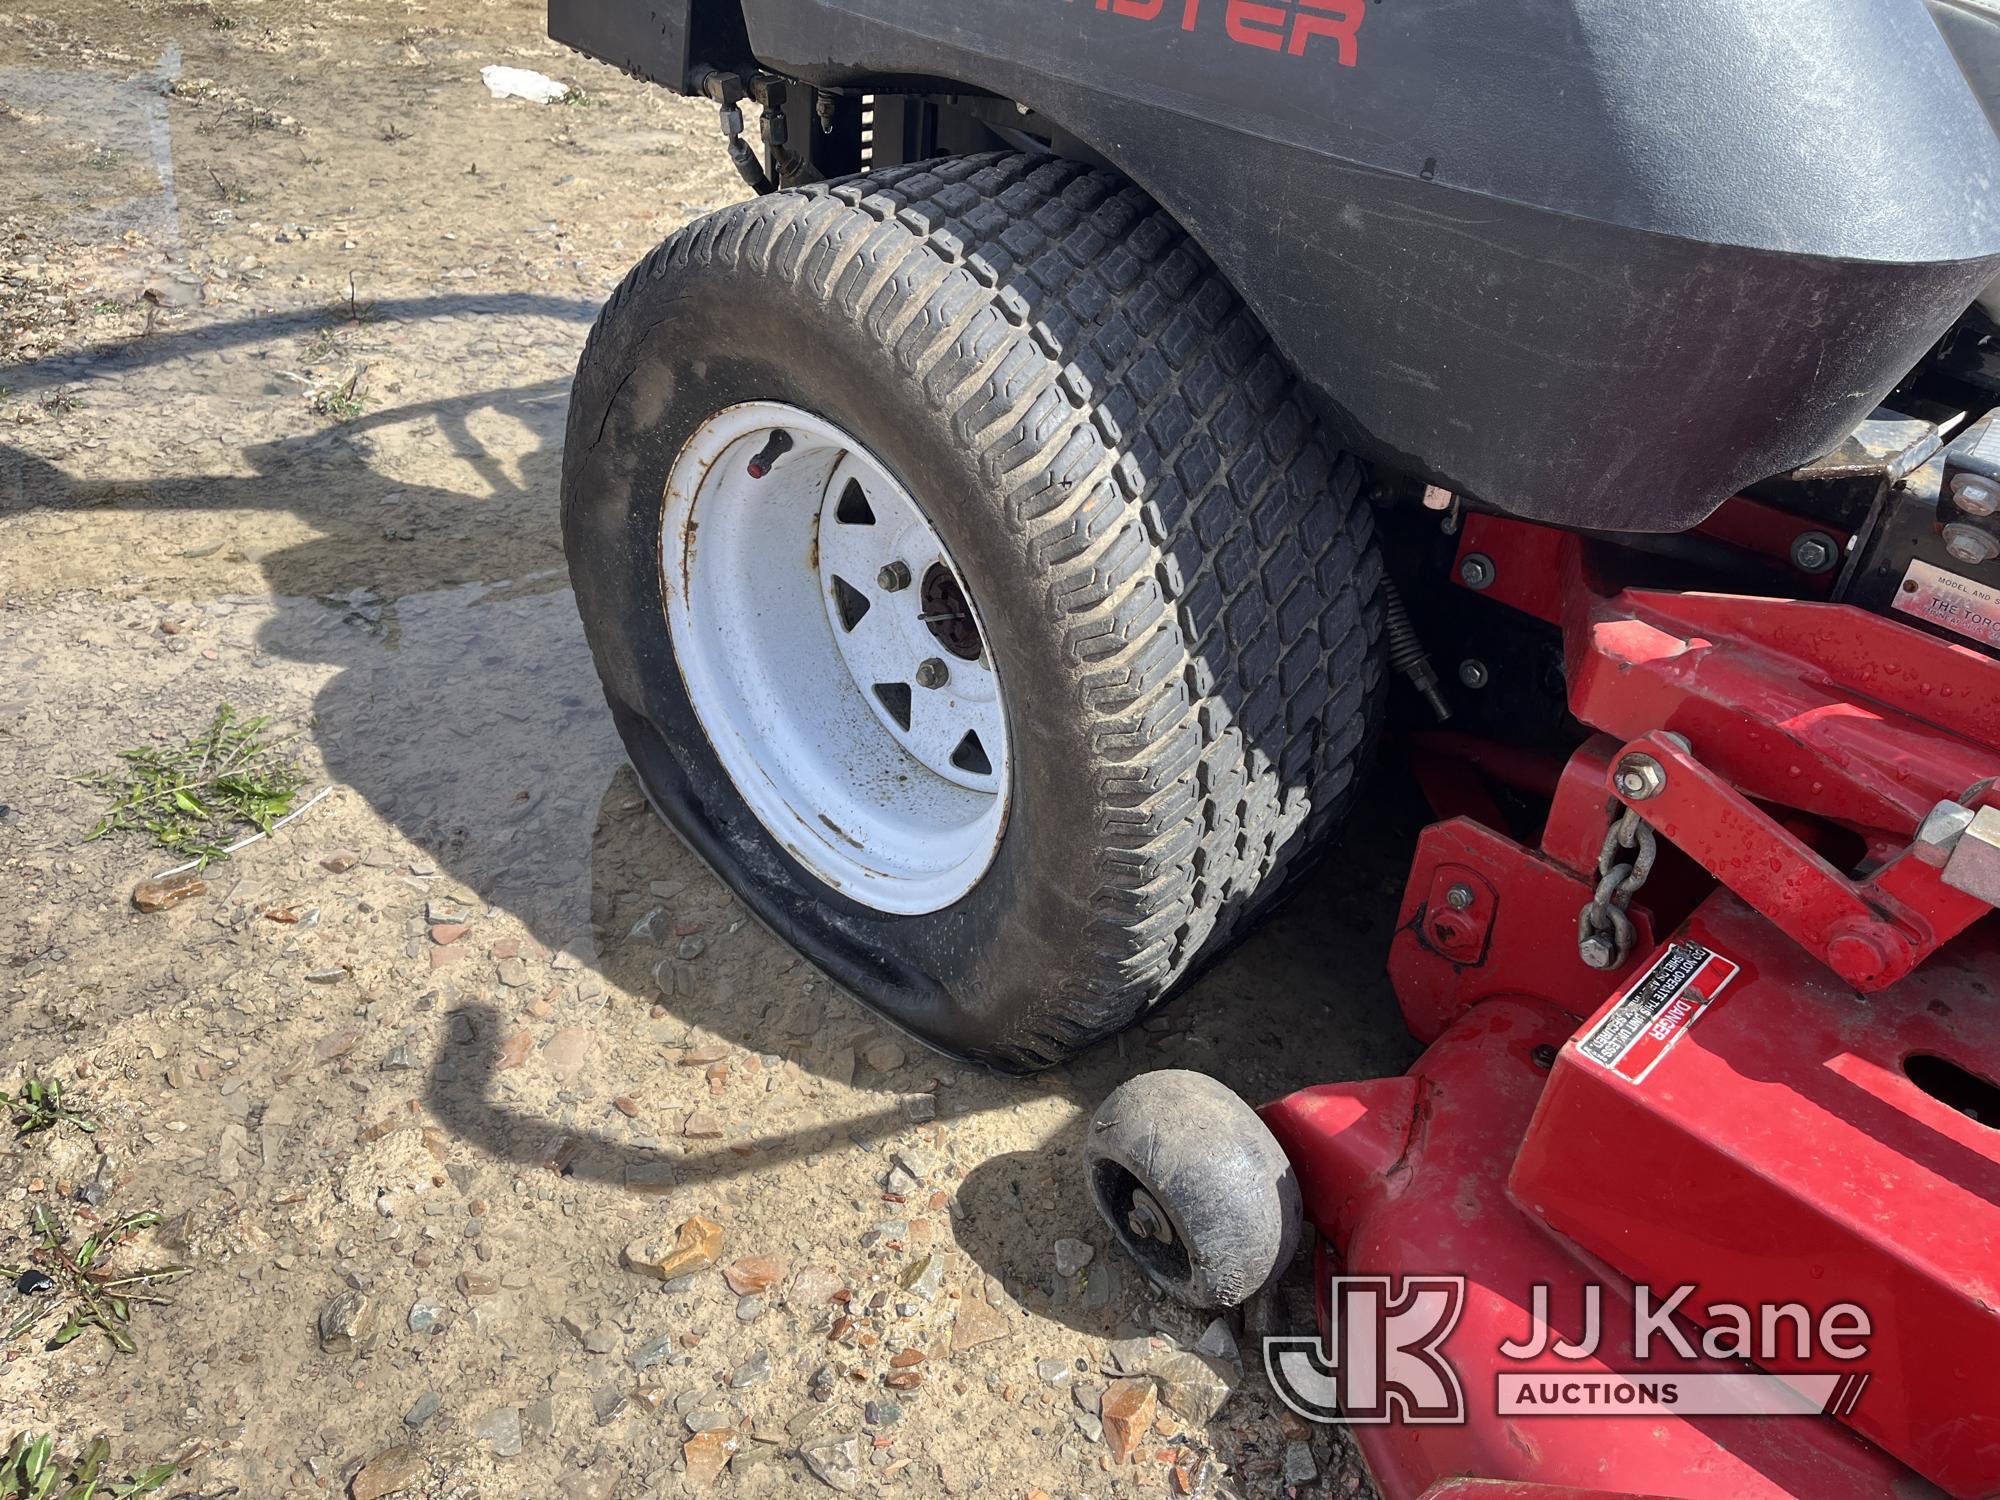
{"x": 1194, "y": 1186}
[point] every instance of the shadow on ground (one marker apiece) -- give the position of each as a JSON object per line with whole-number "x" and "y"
{"x": 464, "y": 708}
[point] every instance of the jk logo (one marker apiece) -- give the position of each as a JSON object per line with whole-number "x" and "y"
{"x": 1383, "y": 1362}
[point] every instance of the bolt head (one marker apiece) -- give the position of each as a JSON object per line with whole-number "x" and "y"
{"x": 1597, "y": 952}
{"x": 1472, "y": 672}
{"x": 1476, "y": 572}
{"x": 1975, "y": 494}
{"x": 1865, "y": 953}
{"x": 894, "y": 576}
{"x": 1970, "y": 545}
{"x": 1459, "y": 897}
{"x": 1814, "y": 552}
{"x": 932, "y": 673}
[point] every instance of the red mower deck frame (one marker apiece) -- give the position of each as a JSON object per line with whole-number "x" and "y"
{"x": 1788, "y": 1112}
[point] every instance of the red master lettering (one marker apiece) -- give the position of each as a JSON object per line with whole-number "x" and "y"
{"x": 1287, "y": 26}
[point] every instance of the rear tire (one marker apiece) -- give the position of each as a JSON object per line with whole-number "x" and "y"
{"x": 1176, "y": 581}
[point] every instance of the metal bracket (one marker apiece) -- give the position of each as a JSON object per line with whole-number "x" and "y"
{"x": 1870, "y": 932}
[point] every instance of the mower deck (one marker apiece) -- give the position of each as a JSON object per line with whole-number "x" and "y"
{"x": 1779, "y": 1095}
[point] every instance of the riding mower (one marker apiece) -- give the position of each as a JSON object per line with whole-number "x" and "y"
{"x": 1007, "y": 537}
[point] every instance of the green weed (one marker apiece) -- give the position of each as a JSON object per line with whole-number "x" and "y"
{"x": 190, "y": 799}
{"x": 33, "y": 1470}
{"x": 83, "y": 1292}
{"x": 39, "y": 1106}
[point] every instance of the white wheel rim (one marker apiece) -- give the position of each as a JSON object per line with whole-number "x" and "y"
{"x": 811, "y": 671}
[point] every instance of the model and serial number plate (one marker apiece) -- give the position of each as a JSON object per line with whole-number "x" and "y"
{"x": 1958, "y": 604}
{"x": 1656, "y": 1011}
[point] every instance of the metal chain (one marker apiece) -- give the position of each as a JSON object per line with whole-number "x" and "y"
{"x": 1604, "y": 933}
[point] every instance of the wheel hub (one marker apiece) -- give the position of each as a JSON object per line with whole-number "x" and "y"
{"x": 1146, "y": 1220}
{"x": 858, "y": 715}
{"x": 948, "y": 615}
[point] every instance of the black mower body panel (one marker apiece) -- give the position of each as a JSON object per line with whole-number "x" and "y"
{"x": 1595, "y": 262}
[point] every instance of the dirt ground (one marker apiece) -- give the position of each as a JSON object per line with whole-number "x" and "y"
{"x": 288, "y": 308}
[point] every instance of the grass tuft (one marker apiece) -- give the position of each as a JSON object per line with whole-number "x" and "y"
{"x": 341, "y": 399}
{"x": 39, "y": 1106}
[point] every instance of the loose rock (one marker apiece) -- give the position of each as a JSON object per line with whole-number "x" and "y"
{"x": 566, "y": 1051}
{"x": 1127, "y": 1412}
{"x": 708, "y": 1453}
{"x": 1299, "y": 1467}
{"x": 605, "y": 1403}
{"x": 835, "y": 1461}
{"x": 921, "y": 1277}
{"x": 1193, "y": 1385}
{"x": 158, "y": 895}
{"x": 501, "y": 1430}
{"x": 389, "y": 1472}
{"x": 1216, "y": 1341}
{"x": 1072, "y": 1256}
{"x": 345, "y": 1322}
{"x": 978, "y": 1323}
{"x": 884, "y": 1057}
{"x": 652, "y": 1352}
{"x": 697, "y": 1244}
{"x": 753, "y": 1273}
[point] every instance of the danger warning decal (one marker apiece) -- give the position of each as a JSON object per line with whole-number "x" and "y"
{"x": 1660, "y": 1005}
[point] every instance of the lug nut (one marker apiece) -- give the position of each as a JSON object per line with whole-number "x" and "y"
{"x": 1640, "y": 777}
{"x": 1975, "y": 494}
{"x": 932, "y": 672}
{"x": 893, "y": 577}
{"x": 1476, "y": 572}
{"x": 1969, "y": 544}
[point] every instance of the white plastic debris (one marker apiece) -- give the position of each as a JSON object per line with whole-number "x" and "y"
{"x": 522, "y": 83}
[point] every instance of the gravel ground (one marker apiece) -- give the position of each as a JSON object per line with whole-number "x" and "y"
{"x": 508, "y": 1157}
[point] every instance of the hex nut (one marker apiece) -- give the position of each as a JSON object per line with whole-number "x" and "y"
{"x": 1975, "y": 494}
{"x": 1939, "y": 832}
{"x": 1639, "y": 777}
{"x": 1974, "y": 866}
{"x": 1970, "y": 544}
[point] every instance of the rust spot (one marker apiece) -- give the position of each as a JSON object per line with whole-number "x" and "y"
{"x": 812, "y": 548}
{"x": 841, "y": 833}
